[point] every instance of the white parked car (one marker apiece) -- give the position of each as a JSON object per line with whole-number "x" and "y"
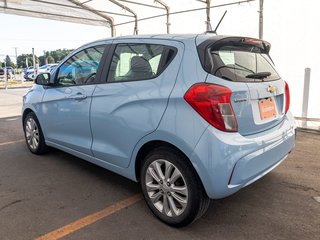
{"x": 30, "y": 74}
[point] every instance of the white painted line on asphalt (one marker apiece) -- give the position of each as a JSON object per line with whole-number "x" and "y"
{"x": 12, "y": 119}
{"x": 12, "y": 142}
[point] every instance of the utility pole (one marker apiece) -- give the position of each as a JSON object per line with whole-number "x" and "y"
{"x": 6, "y": 73}
{"x": 261, "y": 19}
{"x": 16, "y": 51}
{"x": 34, "y": 62}
{"x": 305, "y": 101}
{"x": 45, "y": 57}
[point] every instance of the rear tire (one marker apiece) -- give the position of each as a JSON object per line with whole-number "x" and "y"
{"x": 171, "y": 187}
{"x": 33, "y": 134}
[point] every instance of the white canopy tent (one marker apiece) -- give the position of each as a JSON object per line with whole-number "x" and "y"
{"x": 117, "y": 13}
{"x": 61, "y": 10}
{"x": 109, "y": 13}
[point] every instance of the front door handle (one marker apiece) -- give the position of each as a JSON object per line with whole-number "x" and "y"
{"x": 79, "y": 96}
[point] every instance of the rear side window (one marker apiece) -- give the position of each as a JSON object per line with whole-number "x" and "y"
{"x": 238, "y": 60}
{"x": 132, "y": 62}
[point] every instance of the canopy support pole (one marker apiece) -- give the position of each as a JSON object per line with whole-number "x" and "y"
{"x": 168, "y": 13}
{"x": 90, "y": 9}
{"x": 135, "y": 30}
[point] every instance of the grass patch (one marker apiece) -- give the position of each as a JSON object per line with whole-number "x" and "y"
{"x": 15, "y": 84}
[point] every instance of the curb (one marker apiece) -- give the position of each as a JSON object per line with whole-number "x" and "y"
{"x": 15, "y": 87}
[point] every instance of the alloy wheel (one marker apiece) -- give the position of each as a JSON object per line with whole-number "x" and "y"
{"x": 166, "y": 188}
{"x": 32, "y": 133}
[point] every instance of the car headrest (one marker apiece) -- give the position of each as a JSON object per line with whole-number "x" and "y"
{"x": 140, "y": 64}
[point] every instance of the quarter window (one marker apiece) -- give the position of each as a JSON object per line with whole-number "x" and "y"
{"x": 81, "y": 68}
{"x": 132, "y": 62}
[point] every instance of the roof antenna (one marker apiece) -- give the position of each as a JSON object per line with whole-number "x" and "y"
{"x": 215, "y": 30}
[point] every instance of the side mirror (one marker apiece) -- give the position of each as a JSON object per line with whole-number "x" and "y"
{"x": 43, "y": 79}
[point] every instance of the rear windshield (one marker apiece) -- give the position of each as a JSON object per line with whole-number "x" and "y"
{"x": 239, "y": 61}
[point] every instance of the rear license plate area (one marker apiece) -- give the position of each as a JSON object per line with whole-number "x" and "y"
{"x": 267, "y": 108}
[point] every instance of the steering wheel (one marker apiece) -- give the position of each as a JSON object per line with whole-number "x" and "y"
{"x": 92, "y": 75}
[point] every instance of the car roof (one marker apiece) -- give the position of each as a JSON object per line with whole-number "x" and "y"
{"x": 161, "y": 36}
{"x": 177, "y": 37}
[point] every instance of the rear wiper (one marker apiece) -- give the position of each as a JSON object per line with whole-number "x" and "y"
{"x": 259, "y": 75}
{"x": 249, "y": 70}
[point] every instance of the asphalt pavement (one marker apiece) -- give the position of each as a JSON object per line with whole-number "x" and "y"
{"x": 59, "y": 196}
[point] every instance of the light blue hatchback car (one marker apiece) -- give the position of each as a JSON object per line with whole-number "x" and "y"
{"x": 191, "y": 117}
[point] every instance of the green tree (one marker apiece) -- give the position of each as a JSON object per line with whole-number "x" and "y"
{"x": 50, "y": 59}
{"x": 59, "y": 54}
{"x": 22, "y": 60}
{"x": 9, "y": 63}
{"x": 42, "y": 60}
{"x": 54, "y": 56}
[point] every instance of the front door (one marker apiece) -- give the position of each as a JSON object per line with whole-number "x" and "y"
{"x": 65, "y": 107}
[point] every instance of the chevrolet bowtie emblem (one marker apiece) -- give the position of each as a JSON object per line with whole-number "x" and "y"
{"x": 271, "y": 89}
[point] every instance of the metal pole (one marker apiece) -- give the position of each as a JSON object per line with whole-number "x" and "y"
{"x": 135, "y": 30}
{"x": 168, "y": 20}
{"x": 261, "y": 20}
{"x": 141, "y": 4}
{"x": 208, "y": 23}
{"x": 16, "y": 51}
{"x": 168, "y": 13}
{"x": 305, "y": 101}
{"x": 45, "y": 57}
{"x": 185, "y": 11}
{"x": 90, "y": 9}
{"x": 5, "y": 73}
{"x": 34, "y": 62}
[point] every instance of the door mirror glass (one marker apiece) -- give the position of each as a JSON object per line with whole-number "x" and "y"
{"x": 43, "y": 79}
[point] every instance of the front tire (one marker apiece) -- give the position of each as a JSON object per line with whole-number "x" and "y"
{"x": 33, "y": 134}
{"x": 171, "y": 188}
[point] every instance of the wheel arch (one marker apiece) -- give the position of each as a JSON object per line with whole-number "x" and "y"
{"x": 25, "y": 113}
{"x": 147, "y": 147}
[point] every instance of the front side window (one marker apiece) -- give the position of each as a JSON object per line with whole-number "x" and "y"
{"x": 81, "y": 68}
{"x": 132, "y": 62}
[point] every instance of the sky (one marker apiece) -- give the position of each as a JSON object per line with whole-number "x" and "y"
{"x": 292, "y": 28}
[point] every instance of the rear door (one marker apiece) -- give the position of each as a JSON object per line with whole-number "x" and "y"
{"x": 244, "y": 66}
{"x": 131, "y": 102}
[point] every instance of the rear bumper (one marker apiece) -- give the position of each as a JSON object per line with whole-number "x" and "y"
{"x": 227, "y": 162}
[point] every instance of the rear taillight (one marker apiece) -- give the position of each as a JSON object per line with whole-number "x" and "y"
{"x": 212, "y": 102}
{"x": 287, "y": 94}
